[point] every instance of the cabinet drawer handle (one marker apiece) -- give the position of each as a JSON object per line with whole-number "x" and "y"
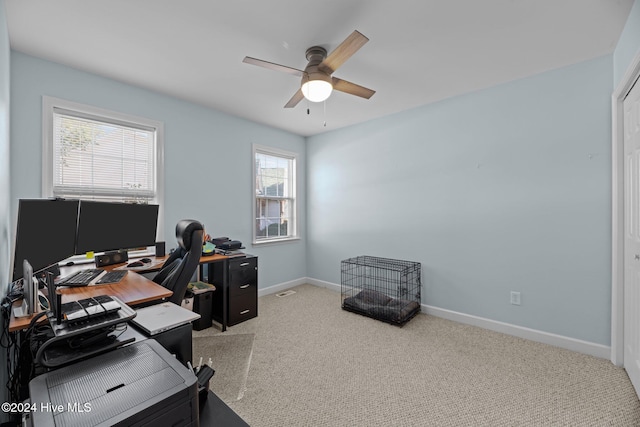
{"x": 245, "y": 286}
{"x": 244, "y": 311}
{"x": 244, "y": 264}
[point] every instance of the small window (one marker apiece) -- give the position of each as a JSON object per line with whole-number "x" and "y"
{"x": 275, "y": 195}
{"x": 95, "y": 154}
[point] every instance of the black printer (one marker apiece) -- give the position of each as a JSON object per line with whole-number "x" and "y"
{"x": 138, "y": 385}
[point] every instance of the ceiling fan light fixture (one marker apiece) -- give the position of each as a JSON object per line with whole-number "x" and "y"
{"x": 317, "y": 83}
{"x": 317, "y": 87}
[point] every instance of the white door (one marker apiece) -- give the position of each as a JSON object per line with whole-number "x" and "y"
{"x": 631, "y": 107}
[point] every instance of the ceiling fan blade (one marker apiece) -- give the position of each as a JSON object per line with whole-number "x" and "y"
{"x": 343, "y": 52}
{"x": 352, "y": 88}
{"x": 297, "y": 97}
{"x": 272, "y": 66}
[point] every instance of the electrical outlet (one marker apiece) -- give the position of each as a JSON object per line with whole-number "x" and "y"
{"x": 515, "y": 298}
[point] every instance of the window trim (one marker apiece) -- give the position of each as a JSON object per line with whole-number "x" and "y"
{"x": 50, "y": 104}
{"x": 257, "y": 148}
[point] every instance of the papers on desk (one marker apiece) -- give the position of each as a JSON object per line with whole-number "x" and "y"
{"x": 200, "y": 287}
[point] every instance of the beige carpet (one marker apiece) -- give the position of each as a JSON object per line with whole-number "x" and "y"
{"x": 314, "y": 364}
{"x": 230, "y": 356}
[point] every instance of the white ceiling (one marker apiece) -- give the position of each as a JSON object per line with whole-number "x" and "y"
{"x": 419, "y": 51}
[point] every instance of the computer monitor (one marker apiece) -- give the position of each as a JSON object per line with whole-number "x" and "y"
{"x": 105, "y": 226}
{"x": 46, "y": 233}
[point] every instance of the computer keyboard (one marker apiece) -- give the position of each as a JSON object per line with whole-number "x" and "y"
{"x": 113, "y": 276}
{"x": 81, "y": 278}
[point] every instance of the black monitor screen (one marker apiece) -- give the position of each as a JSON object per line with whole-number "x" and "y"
{"x": 46, "y": 233}
{"x": 104, "y": 226}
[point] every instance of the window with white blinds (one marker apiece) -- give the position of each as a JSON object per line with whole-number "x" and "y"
{"x": 100, "y": 155}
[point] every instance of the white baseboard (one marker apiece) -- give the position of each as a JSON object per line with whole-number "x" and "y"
{"x": 281, "y": 286}
{"x": 323, "y": 284}
{"x": 297, "y": 282}
{"x": 585, "y": 347}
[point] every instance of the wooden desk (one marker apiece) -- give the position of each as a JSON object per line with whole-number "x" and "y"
{"x": 212, "y": 258}
{"x": 157, "y": 262}
{"x": 133, "y": 289}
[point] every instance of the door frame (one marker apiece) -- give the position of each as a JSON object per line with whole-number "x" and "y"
{"x": 617, "y": 210}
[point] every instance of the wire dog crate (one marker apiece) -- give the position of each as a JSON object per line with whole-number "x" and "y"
{"x": 381, "y": 288}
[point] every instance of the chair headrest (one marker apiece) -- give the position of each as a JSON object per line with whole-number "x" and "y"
{"x": 184, "y": 230}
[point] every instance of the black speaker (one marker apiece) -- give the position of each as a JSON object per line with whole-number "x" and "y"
{"x": 109, "y": 258}
{"x": 160, "y": 249}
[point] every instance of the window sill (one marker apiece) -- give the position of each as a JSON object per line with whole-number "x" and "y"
{"x": 275, "y": 241}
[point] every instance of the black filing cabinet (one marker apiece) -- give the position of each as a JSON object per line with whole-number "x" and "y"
{"x": 241, "y": 296}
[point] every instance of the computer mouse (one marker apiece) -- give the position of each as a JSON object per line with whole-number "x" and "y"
{"x": 135, "y": 264}
{"x": 145, "y": 260}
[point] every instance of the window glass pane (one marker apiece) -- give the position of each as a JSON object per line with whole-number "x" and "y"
{"x": 102, "y": 159}
{"x": 261, "y": 220}
{"x": 272, "y": 175}
{"x": 274, "y": 216}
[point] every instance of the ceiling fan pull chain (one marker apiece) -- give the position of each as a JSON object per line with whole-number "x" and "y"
{"x": 325, "y": 113}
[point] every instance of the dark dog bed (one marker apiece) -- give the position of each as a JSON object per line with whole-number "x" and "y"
{"x": 382, "y": 307}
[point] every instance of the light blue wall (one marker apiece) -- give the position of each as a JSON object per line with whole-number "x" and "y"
{"x": 208, "y": 155}
{"x": 499, "y": 190}
{"x": 503, "y": 189}
{"x": 5, "y": 197}
{"x": 5, "y": 247}
{"x": 628, "y": 46}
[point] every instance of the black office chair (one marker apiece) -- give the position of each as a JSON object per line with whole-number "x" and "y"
{"x": 179, "y": 268}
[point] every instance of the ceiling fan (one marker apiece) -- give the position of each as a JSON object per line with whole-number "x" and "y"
{"x": 317, "y": 80}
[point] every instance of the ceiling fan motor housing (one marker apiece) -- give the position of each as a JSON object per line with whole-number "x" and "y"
{"x": 315, "y": 55}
